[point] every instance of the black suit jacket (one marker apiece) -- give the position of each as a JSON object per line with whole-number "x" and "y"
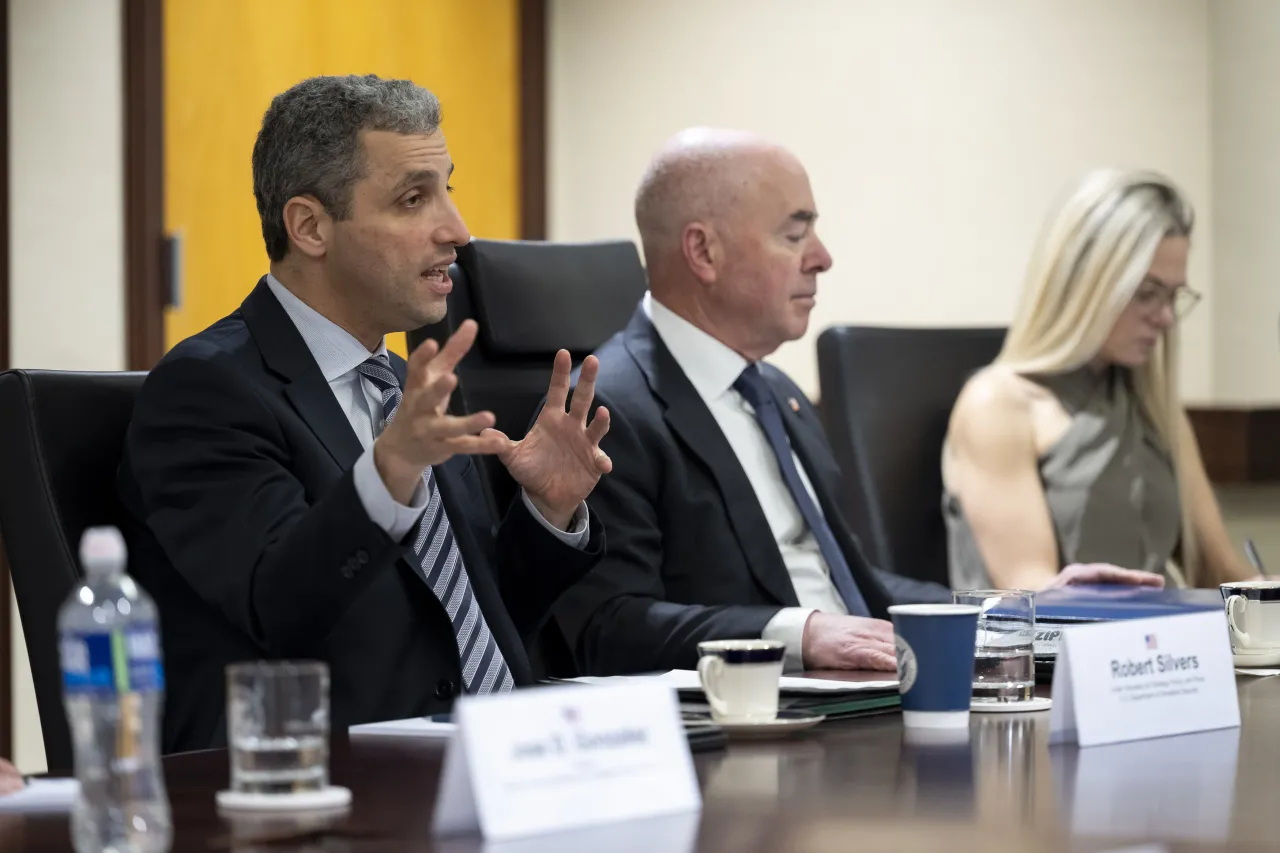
{"x": 248, "y": 531}
{"x": 691, "y": 555}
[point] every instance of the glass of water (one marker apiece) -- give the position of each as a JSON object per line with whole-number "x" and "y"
{"x": 1004, "y": 668}
{"x": 278, "y": 726}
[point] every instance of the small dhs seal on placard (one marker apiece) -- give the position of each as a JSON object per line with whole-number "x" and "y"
{"x": 906, "y": 663}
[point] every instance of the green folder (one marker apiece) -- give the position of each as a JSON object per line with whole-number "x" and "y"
{"x": 833, "y": 707}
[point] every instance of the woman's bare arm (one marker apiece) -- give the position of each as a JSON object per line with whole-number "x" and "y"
{"x": 992, "y": 469}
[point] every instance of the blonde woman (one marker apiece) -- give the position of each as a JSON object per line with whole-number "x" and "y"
{"x": 1070, "y": 458}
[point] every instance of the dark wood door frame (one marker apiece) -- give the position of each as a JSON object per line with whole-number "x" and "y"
{"x": 145, "y": 244}
{"x": 533, "y": 119}
{"x": 4, "y": 186}
{"x": 146, "y": 267}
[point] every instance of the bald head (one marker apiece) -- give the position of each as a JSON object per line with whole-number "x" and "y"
{"x": 702, "y": 175}
{"x": 728, "y": 225}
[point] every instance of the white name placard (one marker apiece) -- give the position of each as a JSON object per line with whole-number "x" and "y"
{"x": 559, "y": 758}
{"x": 1142, "y": 678}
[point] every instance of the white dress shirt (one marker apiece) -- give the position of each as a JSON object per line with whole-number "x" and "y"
{"x": 712, "y": 368}
{"x": 339, "y": 356}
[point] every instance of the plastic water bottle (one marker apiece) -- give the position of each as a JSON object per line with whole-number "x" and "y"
{"x": 113, "y": 688}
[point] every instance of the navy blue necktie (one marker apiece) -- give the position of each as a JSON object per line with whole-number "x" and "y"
{"x": 751, "y": 385}
{"x": 483, "y": 668}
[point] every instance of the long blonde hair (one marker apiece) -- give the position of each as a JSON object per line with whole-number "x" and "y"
{"x": 1094, "y": 251}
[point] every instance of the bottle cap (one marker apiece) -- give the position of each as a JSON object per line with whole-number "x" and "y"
{"x": 102, "y": 549}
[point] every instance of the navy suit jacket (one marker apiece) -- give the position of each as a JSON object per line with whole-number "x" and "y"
{"x": 247, "y": 529}
{"x": 691, "y": 555}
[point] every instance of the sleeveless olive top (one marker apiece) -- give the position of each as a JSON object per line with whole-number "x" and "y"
{"x": 1108, "y": 481}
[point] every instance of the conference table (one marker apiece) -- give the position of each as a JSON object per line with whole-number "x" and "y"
{"x": 861, "y": 784}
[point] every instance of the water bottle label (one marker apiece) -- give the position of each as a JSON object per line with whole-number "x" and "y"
{"x": 125, "y": 661}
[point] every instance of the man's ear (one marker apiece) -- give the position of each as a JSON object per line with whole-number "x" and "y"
{"x": 308, "y": 224}
{"x": 702, "y": 250}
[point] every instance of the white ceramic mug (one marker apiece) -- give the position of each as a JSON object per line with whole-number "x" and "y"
{"x": 740, "y": 679}
{"x": 1253, "y": 615}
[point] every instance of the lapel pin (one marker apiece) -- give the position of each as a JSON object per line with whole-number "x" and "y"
{"x": 795, "y": 404}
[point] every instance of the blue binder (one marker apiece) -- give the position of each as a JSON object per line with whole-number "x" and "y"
{"x": 1060, "y": 608}
{"x": 1074, "y": 604}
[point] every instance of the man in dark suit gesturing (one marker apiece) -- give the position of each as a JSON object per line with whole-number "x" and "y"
{"x": 297, "y": 491}
{"x": 720, "y": 509}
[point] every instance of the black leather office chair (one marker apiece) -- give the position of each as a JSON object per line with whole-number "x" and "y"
{"x": 61, "y": 436}
{"x": 532, "y": 299}
{"x": 887, "y": 396}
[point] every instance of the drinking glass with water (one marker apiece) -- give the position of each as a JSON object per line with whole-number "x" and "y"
{"x": 1004, "y": 667}
{"x": 278, "y": 726}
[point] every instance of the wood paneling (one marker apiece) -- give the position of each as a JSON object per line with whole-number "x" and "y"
{"x": 1239, "y": 445}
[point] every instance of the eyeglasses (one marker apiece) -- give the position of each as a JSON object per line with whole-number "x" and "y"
{"x": 1153, "y": 297}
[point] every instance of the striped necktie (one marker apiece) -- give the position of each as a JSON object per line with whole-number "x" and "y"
{"x": 440, "y": 561}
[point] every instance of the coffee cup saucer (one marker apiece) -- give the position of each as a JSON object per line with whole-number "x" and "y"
{"x": 786, "y": 723}
{"x": 1256, "y": 657}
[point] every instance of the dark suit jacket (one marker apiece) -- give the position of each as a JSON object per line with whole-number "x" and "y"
{"x": 691, "y": 556}
{"x": 248, "y": 531}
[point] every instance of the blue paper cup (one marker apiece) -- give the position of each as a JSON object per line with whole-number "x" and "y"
{"x": 935, "y": 645}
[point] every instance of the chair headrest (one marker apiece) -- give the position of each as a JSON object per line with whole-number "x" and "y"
{"x": 532, "y": 299}
{"x": 934, "y": 363}
{"x": 50, "y": 444}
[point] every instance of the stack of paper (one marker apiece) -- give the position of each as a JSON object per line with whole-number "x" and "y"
{"x": 687, "y": 679}
{"x": 42, "y": 795}
{"x": 837, "y": 699}
{"x": 415, "y": 727}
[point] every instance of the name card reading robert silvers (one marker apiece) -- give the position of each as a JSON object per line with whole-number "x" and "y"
{"x": 1143, "y": 678}
{"x": 558, "y": 758}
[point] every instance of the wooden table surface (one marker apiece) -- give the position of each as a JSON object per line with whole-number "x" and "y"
{"x": 855, "y": 785}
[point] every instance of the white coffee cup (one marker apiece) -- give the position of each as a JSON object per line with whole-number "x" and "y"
{"x": 1253, "y": 615}
{"x": 740, "y": 679}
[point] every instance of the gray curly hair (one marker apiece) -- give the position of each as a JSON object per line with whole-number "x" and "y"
{"x": 309, "y": 142}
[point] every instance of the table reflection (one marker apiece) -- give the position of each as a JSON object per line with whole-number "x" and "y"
{"x": 675, "y": 833}
{"x": 1177, "y": 788}
{"x": 11, "y": 832}
{"x": 936, "y": 772}
{"x": 1013, "y": 776}
{"x": 298, "y": 832}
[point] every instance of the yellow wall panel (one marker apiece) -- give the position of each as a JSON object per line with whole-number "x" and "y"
{"x": 226, "y": 59}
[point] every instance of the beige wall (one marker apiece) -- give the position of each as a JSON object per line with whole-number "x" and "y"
{"x": 66, "y": 219}
{"x": 935, "y": 132}
{"x": 1245, "y": 39}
